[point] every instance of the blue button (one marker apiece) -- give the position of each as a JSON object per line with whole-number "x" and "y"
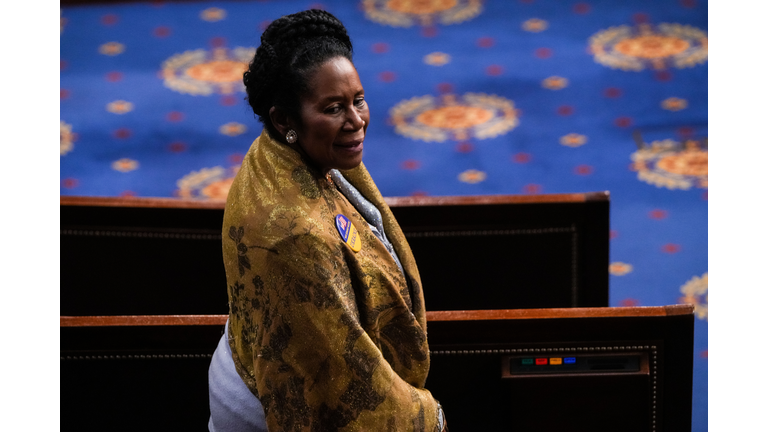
{"x": 569, "y": 360}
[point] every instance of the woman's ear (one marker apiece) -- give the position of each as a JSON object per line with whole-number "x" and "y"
{"x": 279, "y": 120}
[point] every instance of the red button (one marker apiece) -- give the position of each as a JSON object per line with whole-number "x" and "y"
{"x": 541, "y": 361}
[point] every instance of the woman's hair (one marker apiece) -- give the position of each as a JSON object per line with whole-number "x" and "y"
{"x": 292, "y": 47}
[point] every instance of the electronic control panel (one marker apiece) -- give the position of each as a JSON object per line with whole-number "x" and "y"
{"x": 567, "y": 364}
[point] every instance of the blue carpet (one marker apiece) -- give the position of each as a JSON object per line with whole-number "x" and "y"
{"x": 468, "y": 98}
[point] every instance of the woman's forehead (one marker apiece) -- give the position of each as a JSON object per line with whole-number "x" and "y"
{"x": 336, "y": 78}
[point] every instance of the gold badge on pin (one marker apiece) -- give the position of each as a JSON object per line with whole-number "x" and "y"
{"x": 348, "y": 232}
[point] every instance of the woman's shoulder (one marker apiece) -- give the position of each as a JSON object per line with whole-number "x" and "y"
{"x": 300, "y": 212}
{"x": 272, "y": 184}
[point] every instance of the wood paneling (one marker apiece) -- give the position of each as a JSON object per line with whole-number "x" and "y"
{"x": 119, "y": 371}
{"x": 162, "y": 256}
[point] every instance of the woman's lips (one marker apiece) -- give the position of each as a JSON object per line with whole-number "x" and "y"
{"x": 351, "y": 146}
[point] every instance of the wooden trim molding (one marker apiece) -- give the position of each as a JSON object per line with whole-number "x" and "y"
{"x": 432, "y": 316}
{"x": 597, "y": 312}
{"x": 86, "y": 201}
{"x": 148, "y": 202}
{"x": 141, "y": 320}
{"x": 496, "y": 199}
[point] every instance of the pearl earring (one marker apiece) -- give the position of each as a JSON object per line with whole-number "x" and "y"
{"x": 291, "y": 136}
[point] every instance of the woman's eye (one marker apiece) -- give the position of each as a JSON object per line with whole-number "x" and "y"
{"x": 333, "y": 110}
{"x": 359, "y": 101}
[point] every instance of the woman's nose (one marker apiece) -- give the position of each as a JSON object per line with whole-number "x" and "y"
{"x": 354, "y": 120}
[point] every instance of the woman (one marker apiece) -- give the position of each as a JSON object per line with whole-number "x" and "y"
{"x": 327, "y": 326}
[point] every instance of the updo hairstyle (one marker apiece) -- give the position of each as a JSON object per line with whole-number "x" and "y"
{"x": 292, "y": 47}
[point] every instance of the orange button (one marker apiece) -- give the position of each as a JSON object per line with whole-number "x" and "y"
{"x": 556, "y": 361}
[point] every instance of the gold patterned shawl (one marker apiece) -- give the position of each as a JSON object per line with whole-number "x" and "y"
{"x": 325, "y": 337}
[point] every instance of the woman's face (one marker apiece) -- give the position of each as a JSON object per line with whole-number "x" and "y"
{"x": 334, "y": 117}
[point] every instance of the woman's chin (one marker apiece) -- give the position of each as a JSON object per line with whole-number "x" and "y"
{"x": 350, "y": 158}
{"x": 351, "y": 163}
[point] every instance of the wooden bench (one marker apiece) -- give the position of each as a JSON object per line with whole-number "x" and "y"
{"x": 631, "y": 369}
{"x": 154, "y": 256}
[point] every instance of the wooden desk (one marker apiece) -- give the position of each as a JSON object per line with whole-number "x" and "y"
{"x": 119, "y": 371}
{"x": 153, "y": 256}
{"x": 635, "y": 369}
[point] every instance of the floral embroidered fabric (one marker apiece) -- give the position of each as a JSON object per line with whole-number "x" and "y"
{"x": 325, "y": 337}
